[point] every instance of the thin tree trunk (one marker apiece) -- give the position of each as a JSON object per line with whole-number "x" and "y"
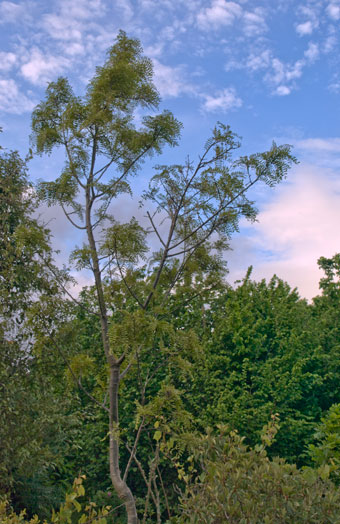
{"x": 123, "y": 491}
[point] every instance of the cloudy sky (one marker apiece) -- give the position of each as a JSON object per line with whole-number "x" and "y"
{"x": 269, "y": 68}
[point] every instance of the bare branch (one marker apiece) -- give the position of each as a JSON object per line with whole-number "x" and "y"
{"x": 151, "y": 478}
{"x": 72, "y": 163}
{"x": 126, "y": 170}
{"x": 91, "y": 397}
{"x": 103, "y": 169}
{"x": 132, "y": 293}
{"x": 126, "y": 370}
{"x": 163, "y": 260}
{"x": 142, "y": 472}
{"x": 155, "y": 229}
{"x": 164, "y": 492}
{"x": 132, "y": 454}
{"x": 70, "y": 219}
{"x": 195, "y": 246}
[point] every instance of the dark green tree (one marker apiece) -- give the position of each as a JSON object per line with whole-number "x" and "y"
{"x": 192, "y": 210}
{"x": 263, "y": 355}
{"x": 327, "y": 327}
{"x": 28, "y": 388}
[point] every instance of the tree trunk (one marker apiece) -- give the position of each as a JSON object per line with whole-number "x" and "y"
{"x": 120, "y": 486}
{"x": 122, "y": 489}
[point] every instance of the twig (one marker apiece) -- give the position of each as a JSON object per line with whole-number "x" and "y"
{"x": 59, "y": 282}
{"x": 132, "y": 293}
{"x": 164, "y": 492}
{"x": 142, "y": 472}
{"x": 132, "y": 454}
{"x": 155, "y": 229}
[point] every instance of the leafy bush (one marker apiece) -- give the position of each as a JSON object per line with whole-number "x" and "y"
{"x": 72, "y": 511}
{"x": 327, "y": 451}
{"x": 238, "y": 484}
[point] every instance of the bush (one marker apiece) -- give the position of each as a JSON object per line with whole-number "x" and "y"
{"x": 237, "y": 484}
{"x": 327, "y": 450}
{"x": 72, "y": 511}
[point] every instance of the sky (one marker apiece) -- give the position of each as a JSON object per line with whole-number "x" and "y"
{"x": 268, "y": 68}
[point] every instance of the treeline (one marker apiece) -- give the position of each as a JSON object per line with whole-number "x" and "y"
{"x": 249, "y": 354}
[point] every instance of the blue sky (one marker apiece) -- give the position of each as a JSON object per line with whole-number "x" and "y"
{"x": 268, "y": 68}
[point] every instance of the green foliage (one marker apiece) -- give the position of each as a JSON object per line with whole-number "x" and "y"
{"x": 105, "y": 114}
{"x": 21, "y": 237}
{"x": 31, "y": 412}
{"x": 193, "y": 211}
{"x": 237, "y": 484}
{"x": 211, "y": 196}
{"x": 263, "y": 354}
{"x": 75, "y": 510}
{"x": 327, "y": 327}
{"x": 326, "y": 452}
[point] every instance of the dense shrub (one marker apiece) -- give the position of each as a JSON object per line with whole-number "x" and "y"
{"x": 238, "y": 484}
{"x": 75, "y": 509}
{"x": 327, "y": 449}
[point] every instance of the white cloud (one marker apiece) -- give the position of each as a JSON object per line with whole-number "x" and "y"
{"x": 222, "y": 101}
{"x": 76, "y": 26}
{"x": 311, "y": 14}
{"x": 305, "y": 29}
{"x": 12, "y": 100}
{"x": 283, "y": 90}
{"x": 312, "y": 52}
{"x": 298, "y": 225}
{"x": 254, "y": 22}
{"x": 169, "y": 80}
{"x": 261, "y": 60}
{"x": 220, "y": 13}
{"x": 125, "y": 8}
{"x": 329, "y": 43}
{"x": 329, "y": 145}
{"x": 286, "y": 72}
{"x": 282, "y": 76}
{"x": 333, "y": 11}
{"x": 82, "y": 9}
{"x": 61, "y": 28}
{"x": 42, "y": 68}
{"x": 7, "y": 61}
{"x": 335, "y": 86}
{"x": 10, "y": 12}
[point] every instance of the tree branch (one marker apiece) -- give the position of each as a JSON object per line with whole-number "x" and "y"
{"x": 214, "y": 215}
{"x": 155, "y": 229}
{"x": 77, "y": 380}
{"x": 65, "y": 289}
{"x": 70, "y": 219}
{"x": 132, "y": 293}
{"x": 132, "y": 454}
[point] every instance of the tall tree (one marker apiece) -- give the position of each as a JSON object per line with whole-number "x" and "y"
{"x": 28, "y": 407}
{"x": 192, "y": 211}
{"x": 261, "y": 356}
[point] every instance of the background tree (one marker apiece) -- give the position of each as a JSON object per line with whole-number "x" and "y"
{"x": 192, "y": 211}
{"x": 31, "y": 417}
{"x": 262, "y": 356}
